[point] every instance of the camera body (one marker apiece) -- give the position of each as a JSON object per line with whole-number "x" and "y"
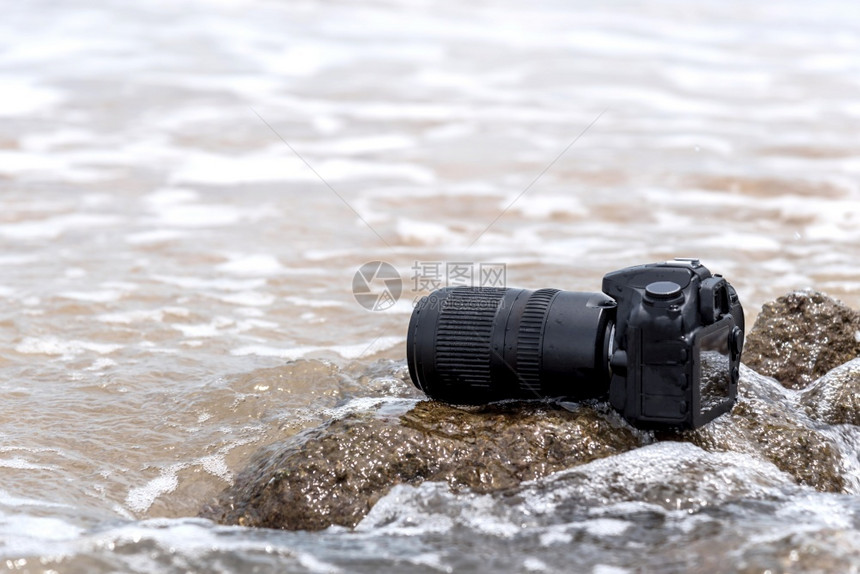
{"x": 663, "y": 342}
{"x": 677, "y": 344}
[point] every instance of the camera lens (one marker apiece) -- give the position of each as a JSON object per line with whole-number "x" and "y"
{"x": 473, "y": 345}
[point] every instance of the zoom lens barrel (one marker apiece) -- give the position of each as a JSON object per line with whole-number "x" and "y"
{"x": 473, "y": 345}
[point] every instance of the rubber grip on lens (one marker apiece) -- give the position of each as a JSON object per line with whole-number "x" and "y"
{"x": 464, "y": 328}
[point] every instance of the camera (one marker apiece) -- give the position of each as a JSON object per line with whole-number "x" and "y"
{"x": 663, "y": 342}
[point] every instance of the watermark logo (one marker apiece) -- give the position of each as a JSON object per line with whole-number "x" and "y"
{"x": 432, "y": 275}
{"x": 377, "y": 286}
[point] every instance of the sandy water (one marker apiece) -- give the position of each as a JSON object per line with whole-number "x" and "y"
{"x": 166, "y": 248}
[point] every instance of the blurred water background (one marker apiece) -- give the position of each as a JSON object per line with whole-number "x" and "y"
{"x": 166, "y": 250}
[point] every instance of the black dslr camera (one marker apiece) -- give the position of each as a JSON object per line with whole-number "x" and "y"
{"x": 663, "y": 341}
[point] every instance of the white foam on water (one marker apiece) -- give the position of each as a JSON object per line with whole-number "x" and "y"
{"x": 316, "y": 565}
{"x": 847, "y": 437}
{"x": 543, "y": 206}
{"x": 743, "y": 242}
{"x": 63, "y": 136}
{"x": 425, "y": 232}
{"x": 219, "y": 283}
{"x": 211, "y": 329}
{"x": 350, "y": 169}
{"x": 53, "y": 227}
{"x": 324, "y": 254}
{"x": 212, "y": 169}
{"x": 217, "y": 466}
{"x": 197, "y": 331}
{"x": 101, "y": 364}
{"x": 290, "y": 354}
{"x": 699, "y": 143}
{"x": 19, "y": 164}
{"x": 367, "y": 350}
{"x": 250, "y": 324}
{"x": 393, "y": 513}
{"x": 405, "y": 305}
{"x": 431, "y": 559}
{"x": 140, "y": 498}
{"x": 362, "y": 145}
{"x": 190, "y": 538}
{"x": 449, "y": 131}
{"x": 167, "y": 196}
{"x": 16, "y": 259}
{"x": 55, "y": 346}
{"x": 132, "y": 317}
{"x": 7, "y": 499}
{"x": 305, "y": 302}
{"x": 606, "y": 527}
{"x": 461, "y": 81}
{"x": 697, "y": 78}
{"x": 430, "y": 508}
{"x": 829, "y": 62}
{"x": 22, "y": 96}
{"x": 308, "y": 57}
{"x": 390, "y": 405}
{"x": 75, "y": 273}
{"x": 827, "y": 511}
{"x": 22, "y": 464}
{"x": 346, "y": 351}
{"x": 249, "y": 312}
{"x": 556, "y": 534}
{"x": 21, "y": 534}
{"x": 155, "y": 236}
{"x": 249, "y": 299}
{"x": 533, "y": 564}
{"x": 185, "y": 208}
{"x": 251, "y": 264}
{"x": 597, "y": 527}
{"x": 103, "y": 296}
{"x": 69, "y": 41}
{"x": 202, "y": 215}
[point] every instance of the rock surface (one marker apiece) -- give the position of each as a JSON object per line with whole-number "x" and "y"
{"x": 767, "y": 422}
{"x": 335, "y": 473}
{"x": 665, "y": 507}
{"x": 801, "y": 336}
{"x": 835, "y": 398}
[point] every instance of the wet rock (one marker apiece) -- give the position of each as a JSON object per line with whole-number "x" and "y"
{"x": 767, "y": 422}
{"x": 835, "y": 398}
{"x": 801, "y": 336}
{"x": 666, "y": 507}
{"x": 666, "y": 476}
{"x": 334, "y": 474}
{"x": 671, "y": 475}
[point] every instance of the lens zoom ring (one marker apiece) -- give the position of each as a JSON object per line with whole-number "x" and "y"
{"x": 463, "y": 337}
{"x": 529, "y": 340}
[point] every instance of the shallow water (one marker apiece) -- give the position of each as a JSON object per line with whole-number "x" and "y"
{"x": 165, "y": 254}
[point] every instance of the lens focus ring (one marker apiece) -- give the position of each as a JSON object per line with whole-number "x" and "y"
{"x": 530, "y": 340}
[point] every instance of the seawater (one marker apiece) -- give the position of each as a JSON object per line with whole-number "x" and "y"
{"x": 187, "y": 189}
